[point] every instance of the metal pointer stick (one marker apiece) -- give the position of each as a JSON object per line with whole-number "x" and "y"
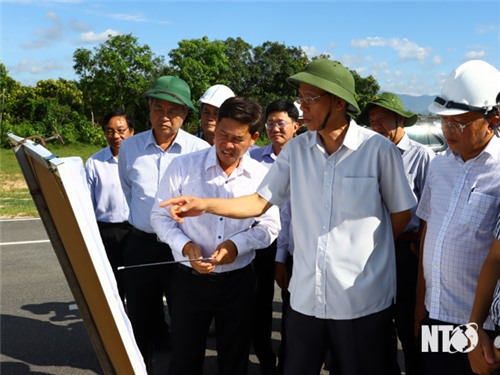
{"x": 163, "y": 263}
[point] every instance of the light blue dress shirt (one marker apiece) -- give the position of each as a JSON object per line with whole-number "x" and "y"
{"x": 344, "y": 261}
{"x": 109, "y": 202}
{"x": 142, "y": 164}
{"x": 460, "y": 204}
{"x": 416, "y": 158}
{"x": 495, "y": 306}
{"x": 199, "y": 174}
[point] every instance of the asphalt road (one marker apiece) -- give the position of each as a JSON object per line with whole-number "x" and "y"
{"x": 41, "y": 331}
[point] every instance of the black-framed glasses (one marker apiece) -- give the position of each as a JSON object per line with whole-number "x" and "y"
{"x": 309, "y": 99}
{"x": 279, "y": 124}
{"x": 111, "y": 132}
{"x": 453, "y": 125}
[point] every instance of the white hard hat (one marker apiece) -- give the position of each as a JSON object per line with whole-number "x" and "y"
{"x": 216, "y": 95}
{"x": 301, "y": 115}
{"x": 472, "y": 87}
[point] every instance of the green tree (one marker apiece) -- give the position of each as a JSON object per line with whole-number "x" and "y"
{"x": 272, "y": 64}
{"x": 116, "y": 75}
{"x": 366, "y": 88}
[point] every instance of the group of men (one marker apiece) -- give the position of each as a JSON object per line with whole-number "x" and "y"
{"x": 384, "y": 235}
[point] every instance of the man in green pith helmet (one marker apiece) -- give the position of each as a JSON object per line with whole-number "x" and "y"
{"x": 350, "y": 198}
{"x": 142, "y": 164}
{"x": 386, "y": 115}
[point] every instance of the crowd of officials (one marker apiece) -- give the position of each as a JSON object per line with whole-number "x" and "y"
{"x": 369, "y": 234}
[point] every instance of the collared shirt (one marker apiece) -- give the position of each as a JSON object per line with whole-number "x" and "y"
{"x": 142, "y": 164}
{"x": 495, "y": 306}
{"x": 344, "y": 265}
{"x": 109, "y": 202}
{"x": 416, "y": 158}
{"x": 284, "y": 243}
{"x": 460, "y": 203}
{"x": 264, "y": 154}
{"x": 199, "y": 174}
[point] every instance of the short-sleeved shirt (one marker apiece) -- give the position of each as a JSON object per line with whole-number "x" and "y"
{"x": 199, "y": 174}
{"x": 142, "y": 164}
{"x": 416, "y": 158}
{"x": 460, "y": 203}
{"x": 284, "y": 243}
{"x": 110, "y": 205}
{"x": 344, "y": 265}
{"x": 495, "y": 306}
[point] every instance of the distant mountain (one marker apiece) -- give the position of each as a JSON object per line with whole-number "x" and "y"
{"x": 417, "y": 104}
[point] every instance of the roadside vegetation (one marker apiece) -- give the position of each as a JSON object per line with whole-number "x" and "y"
{"x": 115, "y": 75}
{"x": 15, "y": 198}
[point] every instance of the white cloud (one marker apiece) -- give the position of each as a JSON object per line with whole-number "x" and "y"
{"x": 483, "y": 29}
{"x": 406, "y": 49}
{"x": 92, "y": 37}
{"x": 310, "y": 51}
{"x": 36, "y": 67}
{"x": 48, "y": 35}
{"x": 128, "y": 17}
{"x": 471, "y": 55}
{"x": 437, "y": 60}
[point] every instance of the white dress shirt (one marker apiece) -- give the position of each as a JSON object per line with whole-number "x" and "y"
{"x": 142, "y": 164}
{"x": 109, "y": 202}
{"x": 344, "y": 264}
{"x": 199, "y": 174}
{"x": 460, "y": 204}
{"x": 284, "y": 243}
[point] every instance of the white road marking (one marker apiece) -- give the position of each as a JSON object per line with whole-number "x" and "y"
{"x": 23, "y": 242}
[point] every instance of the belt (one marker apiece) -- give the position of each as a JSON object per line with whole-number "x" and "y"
{"x": 140, "y": 233}
{"x": 124, "y": 225}
{"x": 215, "y": 275}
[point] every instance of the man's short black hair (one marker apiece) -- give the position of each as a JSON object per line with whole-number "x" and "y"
{"x": 282, "y": 105}
{"x": 244, "y": 110}
{"x": 117, "y": 113}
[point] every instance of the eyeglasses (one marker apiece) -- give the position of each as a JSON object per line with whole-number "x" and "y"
{"x": 453, "y": 125}
{"x": 279, "y": 124}
{"x": 308, "y": 100}
{"x": 111, "y": 132}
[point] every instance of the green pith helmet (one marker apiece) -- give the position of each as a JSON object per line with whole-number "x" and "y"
{"x": 330, "y": 76}
{"x": 388, "y": 101}
{"x": 171, "y": 89}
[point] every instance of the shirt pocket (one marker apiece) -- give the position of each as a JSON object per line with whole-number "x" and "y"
{"x": 481, "y": 211}
{"x": 360, "y": 197}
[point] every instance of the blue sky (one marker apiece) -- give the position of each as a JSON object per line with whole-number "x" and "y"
{"x": 408, "y": 46}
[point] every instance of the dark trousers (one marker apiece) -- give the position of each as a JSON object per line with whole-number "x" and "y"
{"x": 263, "y": 264}
{"x": 285, "y": 298}
{"x": 358, "y": 346}
{"x": 438, "y": 363}
{"x": 197, "y": 299}
{"x": 145, "y": 288}
{"x": 114, "y": 237}
{"x": 404, "y": 309}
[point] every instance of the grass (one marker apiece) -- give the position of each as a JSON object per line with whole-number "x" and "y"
{"x": 15, "y": 199}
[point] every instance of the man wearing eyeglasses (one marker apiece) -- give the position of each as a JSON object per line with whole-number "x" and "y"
{"x": 459, "y": 206}
{"x": 386, "y": 115}
{"x": 142, "y": 164}
{"x": 349, "y": 199}
{"x": 110, "y": 205}
{"x": 281, "y": 126}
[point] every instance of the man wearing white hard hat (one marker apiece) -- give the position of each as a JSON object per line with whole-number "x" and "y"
{"x": 459, "y": 207}
{"x": 211, "y": 100}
